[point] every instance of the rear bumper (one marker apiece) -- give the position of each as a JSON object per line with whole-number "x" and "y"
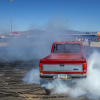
{"x": 78, "y": 76}
{"x": 55, "y": 76}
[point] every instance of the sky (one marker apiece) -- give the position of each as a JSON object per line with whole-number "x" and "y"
{"x": 82, "y": 15}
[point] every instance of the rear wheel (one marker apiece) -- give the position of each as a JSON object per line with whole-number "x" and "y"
{"x": 43, "y": 82}
{"x": 48, "y": 92}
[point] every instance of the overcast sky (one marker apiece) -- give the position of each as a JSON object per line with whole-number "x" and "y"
{"x": 82, "y": 15}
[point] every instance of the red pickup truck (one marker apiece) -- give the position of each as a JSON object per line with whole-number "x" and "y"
{"x": 66, "y": 61}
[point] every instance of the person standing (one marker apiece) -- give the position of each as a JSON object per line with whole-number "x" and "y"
{"x": 89, "y": 42}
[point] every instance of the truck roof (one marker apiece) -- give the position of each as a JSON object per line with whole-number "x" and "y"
{"x": 63, "y": 42}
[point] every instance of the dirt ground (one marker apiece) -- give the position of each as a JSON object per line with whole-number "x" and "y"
{"x": 93, "y": 44}
{"x": 13, "y": 88}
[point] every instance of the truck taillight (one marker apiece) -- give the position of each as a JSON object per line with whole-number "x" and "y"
{"x": 84, "y": 67}
{"x": 40, "y": 65}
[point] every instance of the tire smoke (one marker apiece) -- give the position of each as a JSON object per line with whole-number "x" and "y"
{"x": 88, "y": 87}
{"x": 32, "y": 77}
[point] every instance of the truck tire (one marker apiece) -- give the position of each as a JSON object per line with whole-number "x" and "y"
{"x": 48, "y": 92}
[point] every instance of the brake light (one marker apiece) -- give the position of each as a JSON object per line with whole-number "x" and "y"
{"x": 40, "y": 65}
{"x": 84, "y": 67}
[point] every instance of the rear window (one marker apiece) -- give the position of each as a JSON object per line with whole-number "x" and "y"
{"x": 67, "y": 48}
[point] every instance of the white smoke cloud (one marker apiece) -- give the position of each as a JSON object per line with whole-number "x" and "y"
{"x": 88, "y": 87}
{"x": 32, "y": 77}
{"x": 35, "y": 43}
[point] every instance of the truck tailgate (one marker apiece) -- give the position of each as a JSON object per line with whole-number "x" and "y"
{"x": 60, "y": 63}
{"x": 63, "y": 67}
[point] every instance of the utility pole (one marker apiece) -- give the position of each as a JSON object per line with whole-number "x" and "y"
{"x": 66, "y": 23}
{"x": 11, "y": 13}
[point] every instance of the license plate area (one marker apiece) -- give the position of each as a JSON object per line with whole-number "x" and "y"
{"x": 62, "y": 76}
